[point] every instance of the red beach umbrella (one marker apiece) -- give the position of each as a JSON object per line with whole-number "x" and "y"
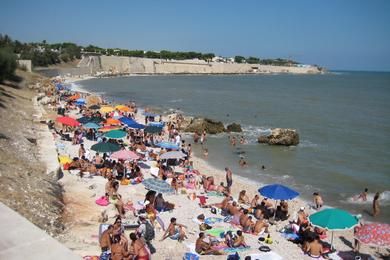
{"x": 65, "y": 120}
{"x": 374, "y": 234}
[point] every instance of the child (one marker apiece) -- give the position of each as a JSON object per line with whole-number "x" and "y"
{"x": 205, "y": 153}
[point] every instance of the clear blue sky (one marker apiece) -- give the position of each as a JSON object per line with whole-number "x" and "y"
{"x": 338, "y": 34}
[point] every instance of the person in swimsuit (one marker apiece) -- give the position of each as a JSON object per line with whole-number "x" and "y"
{"x": 105, "y": 242}
{"x": 375, "y": 205}
{"x": 140, "y": 250}
{"x": 363, "y": 195}
{"x": 317, "y": 200}
{"x": 243, "y": 198}
{"x": 314, "y": 249}
{"x": 229, "y": 177}
{"x": 239, "y": 240}
{"x": 204, "y": 248}
{"x": 175, "y": 231}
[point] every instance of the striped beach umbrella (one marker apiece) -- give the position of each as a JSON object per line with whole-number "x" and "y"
{"x": 157, "y": 185}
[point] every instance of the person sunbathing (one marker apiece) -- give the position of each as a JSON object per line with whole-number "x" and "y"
{"x": 204, "y": 248}
{"x": 243, "y": 198}
{"x": 105, "y": 240}
{"x": 118, "y": 251}
{"x": 233, "y": 208}
{"x": 244, "y": 218}
{"x": 140, "y": 251}
{"x": 314, "y": 248}
{"x": 161, "y": 205}
{"x": 259, "y": 226}
{"x": 255, "y": 201}
{"x": 175, "y": 231}
{"x": 223, "y": 204}
{"x": 248, "y": 225}
{"x": 239, "y": 240}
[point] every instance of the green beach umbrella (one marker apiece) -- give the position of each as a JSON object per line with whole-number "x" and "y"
{"x": 105, "y": 147}
{"x": 115, "y": 134}
{"x": 152, "y": 129}
{"x": 333, "y": 219}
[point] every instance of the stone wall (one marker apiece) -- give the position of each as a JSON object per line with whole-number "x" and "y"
{"x": 132, "y": 65}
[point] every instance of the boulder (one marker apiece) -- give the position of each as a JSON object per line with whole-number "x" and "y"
{"x": 280, "y": 136}
{"x": 209, "y": 125}
{"x": 234, "y": 128}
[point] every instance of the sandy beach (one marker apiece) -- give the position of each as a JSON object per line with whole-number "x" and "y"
{"x": 82, "y": 215}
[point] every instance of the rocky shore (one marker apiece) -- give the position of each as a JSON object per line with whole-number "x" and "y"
{"x": 25, "y": 184}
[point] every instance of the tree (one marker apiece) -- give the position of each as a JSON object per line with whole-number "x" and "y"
{"x": 239, "y": 59}
{"x": 7, "y": 64}
{"x": 253, "y": 60}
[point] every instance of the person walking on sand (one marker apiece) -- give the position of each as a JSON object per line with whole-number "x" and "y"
{"x": 229, "y": 177}
{"x": 375, "y": 205}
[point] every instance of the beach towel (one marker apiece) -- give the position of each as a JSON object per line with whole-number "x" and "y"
{"x": 289, "y": 236}
{"x": 216, "y": 232}
{"x": 212, "y": 220}
{"x": 214, "y": 194}
{"x": 230, "y": 250}
{"x": 102, "y": 201}
{"x": 160, "y": 222}
{"x": 191, "y": 256}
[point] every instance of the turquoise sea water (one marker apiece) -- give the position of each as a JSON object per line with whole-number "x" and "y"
{"x": 342, "y": 118}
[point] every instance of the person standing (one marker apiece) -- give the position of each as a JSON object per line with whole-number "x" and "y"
{"x": 375, "y": 205}
{"x": 229, "y": 177}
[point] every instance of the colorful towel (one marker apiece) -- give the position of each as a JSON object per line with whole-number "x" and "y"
{"x": 230, "y": 250}
{"x": 216, "y": 232}
{"x": 214, "y": 194}
{"x": 211, "y": 220}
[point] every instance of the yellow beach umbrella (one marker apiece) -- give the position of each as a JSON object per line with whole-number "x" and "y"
{"x": 107, "y": 109}
{"x": 123, "y": 108}
{"x": 64, "y": 159}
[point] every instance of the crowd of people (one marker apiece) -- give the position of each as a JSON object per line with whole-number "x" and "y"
{"x": 247, "y": 214}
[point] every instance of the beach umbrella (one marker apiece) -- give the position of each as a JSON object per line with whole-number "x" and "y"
{"x": 157, "y": 185}
{"x": 86, "y": 119}
{"x": 333, "y": 219}
{"x": 64, "y": 159}
{"x": 123, "y": 108}
{"x": 94, "y": 107}
{"x": 74, "y": 97}
{"x": 278, "y": 192}
{"x": 173, "y": 155}
{"x": 131, "y": 123}
{"x": 109, "y": 128}
{"x": 152, "y": 129}
{"x": 374, "y": 234}
{"x": 112, "y": 121}
{"x": 125, "y": 155}
{"x": 65, "y": 120}
{"x": 105, "y": 147}
{"x": 81, "y": 100}
{"x": 91, "y": 125}
{"x": 115, "y": 134}
{"x": 106, "y": 109}
{"x": 168, "y": 145}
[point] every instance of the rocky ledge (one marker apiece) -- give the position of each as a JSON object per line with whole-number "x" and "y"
{"x": 280, "y": 136}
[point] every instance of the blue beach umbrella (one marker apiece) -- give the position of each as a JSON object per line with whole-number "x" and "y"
{"x": 131, "y": 123}
{"x": 115, "y": 134}
{"x": 157, "y": 185}
{"x": 278, "y": 192}
{"x": 168, "y": 145}
{"x": 81, "y": 100}
{"x": 92, "y": 125}
{"x": 147, "y": 114}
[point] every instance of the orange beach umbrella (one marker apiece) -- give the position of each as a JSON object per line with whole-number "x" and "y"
{"x": 112, "y": 121}
{"x": 123, "y": 108}
{"x": 106, "y": 109}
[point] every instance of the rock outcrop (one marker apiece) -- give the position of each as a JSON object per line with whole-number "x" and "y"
{"x": 234, "y": 127}
{"x": 209, "y": 125}
{"x": 280, "y": 136}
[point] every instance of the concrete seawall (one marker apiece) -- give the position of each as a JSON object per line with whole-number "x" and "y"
{"x": 132, "y": 65}
{"x": 20, "y": 239}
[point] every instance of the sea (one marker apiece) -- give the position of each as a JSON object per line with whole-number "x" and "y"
{"x": 343, "y": 120}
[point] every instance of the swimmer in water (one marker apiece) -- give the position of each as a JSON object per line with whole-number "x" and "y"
{"x": 263, "y": 167}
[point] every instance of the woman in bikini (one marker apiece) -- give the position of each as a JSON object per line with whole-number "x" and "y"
{"x": 140, "y": 249}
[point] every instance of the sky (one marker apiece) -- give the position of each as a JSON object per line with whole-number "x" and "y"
{"x": 337, "y": 34}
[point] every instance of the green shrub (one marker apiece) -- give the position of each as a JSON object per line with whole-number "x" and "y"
{"x": 7, "y": 64}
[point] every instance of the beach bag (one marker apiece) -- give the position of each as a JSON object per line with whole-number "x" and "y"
{"x": 149, "y": 232}
{"x": 190, "y": 256}
{"x": 66, "y": 166}
{"x": 233, "y": 257}
{"x": 102, "y": 201}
